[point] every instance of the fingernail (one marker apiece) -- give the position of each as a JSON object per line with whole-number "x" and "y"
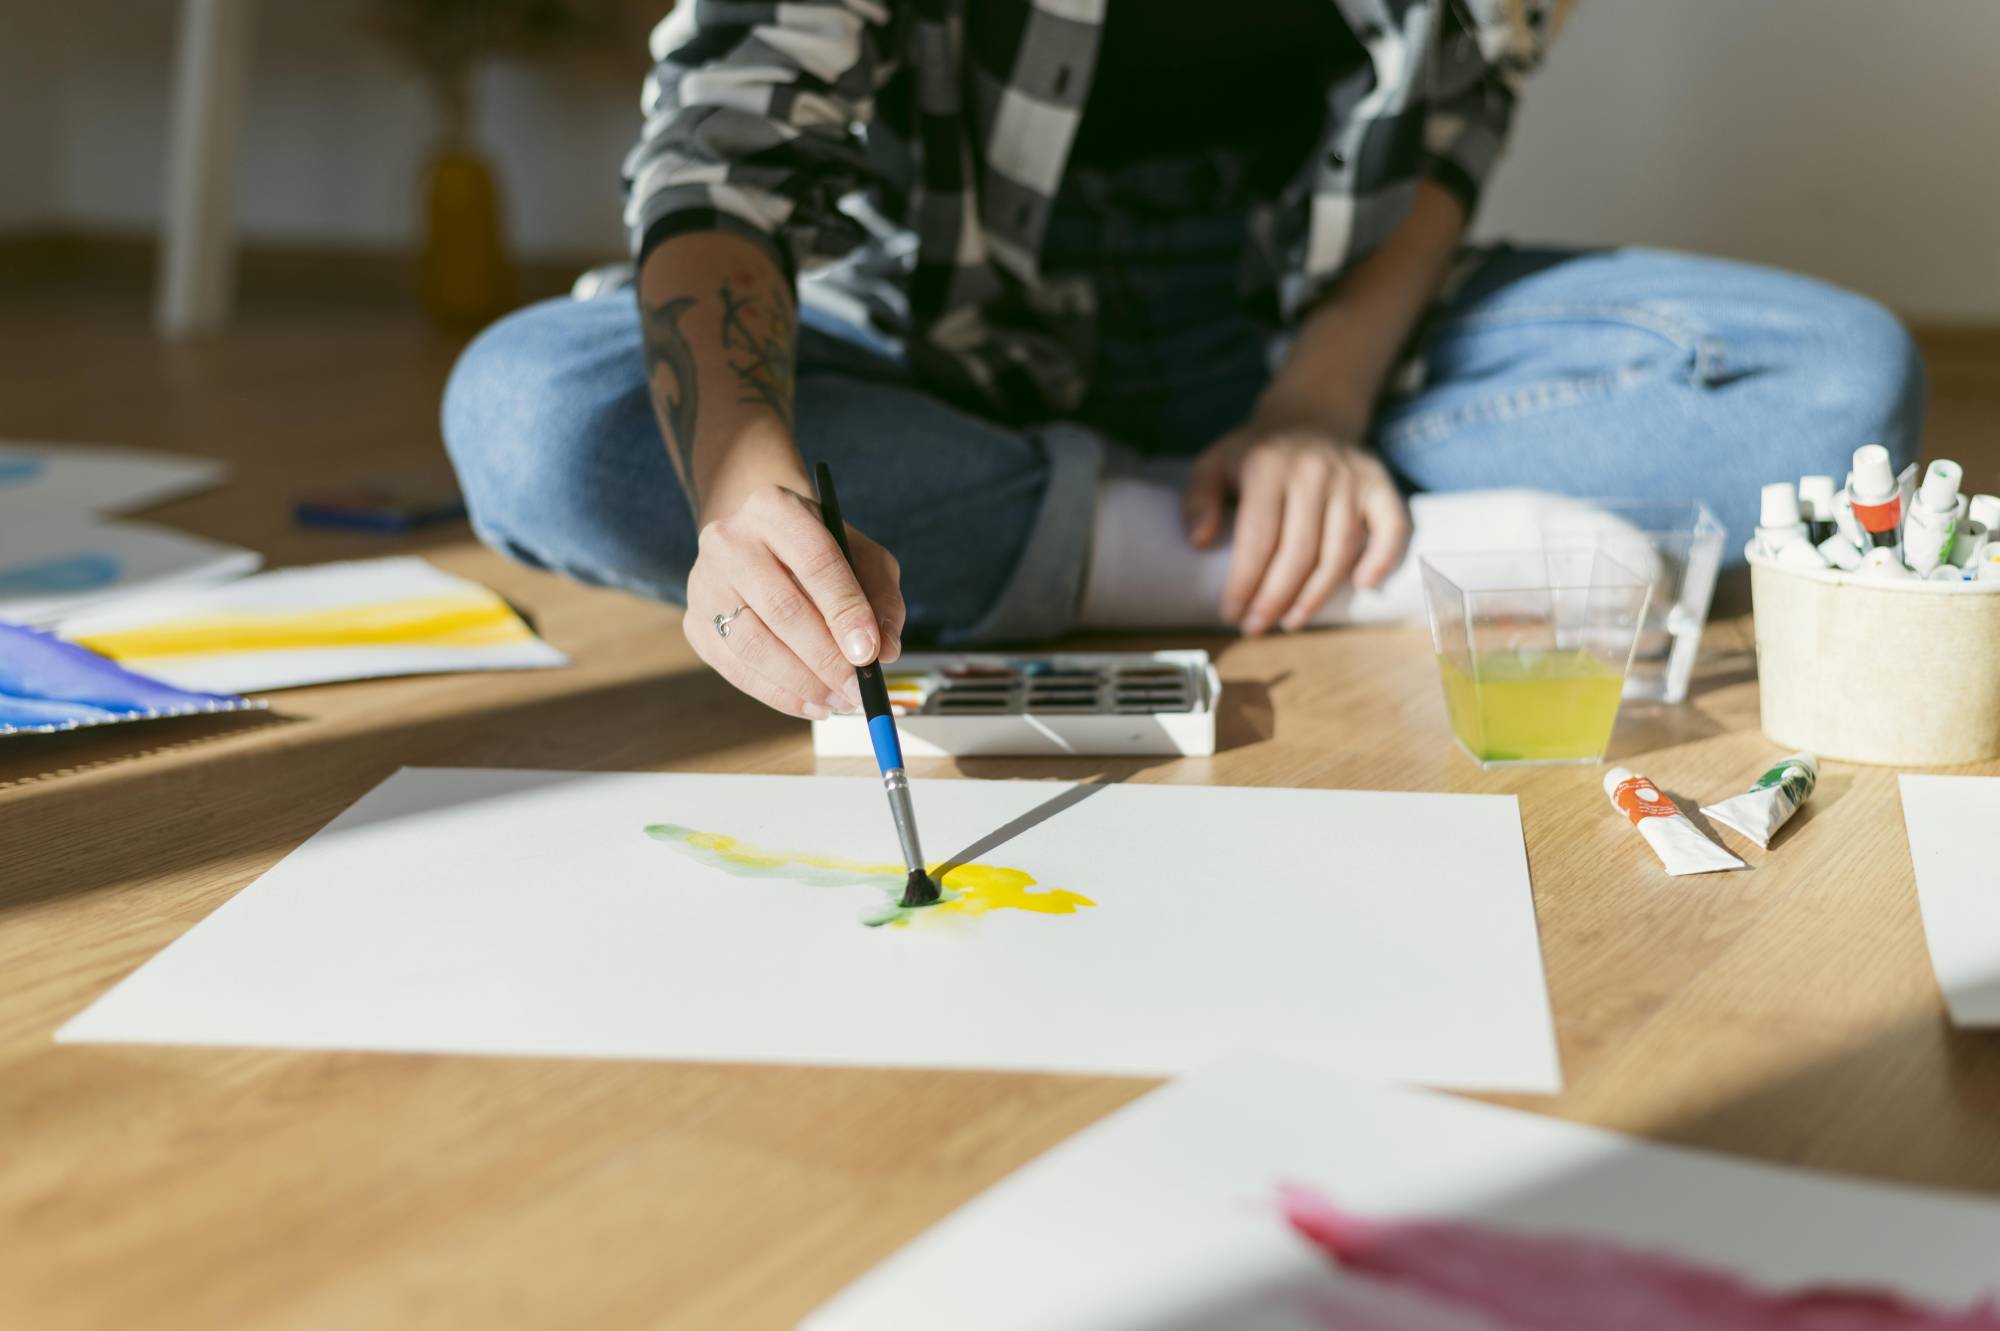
{"x": 860, "y": 646}
{"x": 1253, "y": 626}
{"x": 815, "y": 712}
{"x": 892, "y": 648}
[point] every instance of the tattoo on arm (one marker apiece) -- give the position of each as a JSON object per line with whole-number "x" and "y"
{"x": 677, "y": 392}
{"x": 760, "y": 337}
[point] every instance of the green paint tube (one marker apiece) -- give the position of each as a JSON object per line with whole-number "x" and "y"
{"x": 1759, "y": 812}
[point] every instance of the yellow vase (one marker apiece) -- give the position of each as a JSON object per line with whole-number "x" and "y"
{"x": 467, "y": 278}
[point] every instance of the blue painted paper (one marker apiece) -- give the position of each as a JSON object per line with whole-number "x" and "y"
{"x": 20, "y": 470}
{"x": 65, "y": 575}
{"x": 47, "y": 684}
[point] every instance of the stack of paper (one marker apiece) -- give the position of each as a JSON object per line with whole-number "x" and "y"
{"x": 91, "y": 478}
{"x": 57, "y": 552}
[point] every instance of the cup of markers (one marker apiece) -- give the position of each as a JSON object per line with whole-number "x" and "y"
{"x": 1877, "y": 603}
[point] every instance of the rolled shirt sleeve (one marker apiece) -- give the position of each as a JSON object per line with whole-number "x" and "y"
{"x": 753, "y": 112}
{"x": 1474, "y": 77}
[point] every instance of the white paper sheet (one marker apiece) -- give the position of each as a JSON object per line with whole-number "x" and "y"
{"x": 516, "y": 912}
{"x": 1165, "y": 1215}
{"x": 52, "y": 565}
{"x": 1954, "y": 828}
{"x": 41, "y": 478}
{"x": 359, "y": 619}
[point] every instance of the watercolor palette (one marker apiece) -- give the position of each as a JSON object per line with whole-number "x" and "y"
{"x": 950, "y": 704}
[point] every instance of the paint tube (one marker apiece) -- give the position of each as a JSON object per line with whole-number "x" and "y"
{"x": 1976, "y": 534}
{"x": 1932, "y": 523}
{"x": 1873, "y": 493}
{"x": 1840, "y": 552}
{"x": 1759, "y": 812}
{"x": 1945, "y": 573}
{"x": 1844, "y": 519}
{"x": 1968, "y": 548}
{"x": 1816, "y": 506}
{"x": 1989, "y": 561}
{"x": 1985, "y": 509}
{"x": 1781, "y": 531}
{"x": 1679, "y": 843}
{"x": 1882, "y": 565}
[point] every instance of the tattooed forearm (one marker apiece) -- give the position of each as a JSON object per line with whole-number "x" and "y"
{"x": 673, "y": 382}
{"x": 760, "y": 337}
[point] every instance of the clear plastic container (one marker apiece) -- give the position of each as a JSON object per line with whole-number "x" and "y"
{"x": 1532, "y": 649}
{"x": 1676, "y": 544}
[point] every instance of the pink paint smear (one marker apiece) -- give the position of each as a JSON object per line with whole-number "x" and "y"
{"x": 1528, "y": 1282}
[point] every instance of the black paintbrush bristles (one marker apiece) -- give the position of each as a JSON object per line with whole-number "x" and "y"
{"x": 920, "y": 890}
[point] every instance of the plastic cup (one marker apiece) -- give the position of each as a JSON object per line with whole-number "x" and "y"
{"x": 1532, "y": 649}
{"x": 1677, "y": 545}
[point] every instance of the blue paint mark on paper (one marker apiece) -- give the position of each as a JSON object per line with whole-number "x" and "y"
{"x": 20, "y": 468}
{"x": 60, "y": 576}
{"x": 48, "y": 684}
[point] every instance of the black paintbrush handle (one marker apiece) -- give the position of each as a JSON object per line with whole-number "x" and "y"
{"x": 874, "y": 690}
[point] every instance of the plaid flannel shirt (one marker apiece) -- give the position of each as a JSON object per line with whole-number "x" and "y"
{"x": 905, "y": 171}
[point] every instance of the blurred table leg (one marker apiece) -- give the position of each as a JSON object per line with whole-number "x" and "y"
{"x": 197, "y": 231}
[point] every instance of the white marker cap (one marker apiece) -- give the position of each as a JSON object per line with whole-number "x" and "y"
{"x": 1816, "y": 498}
{"x": 1940, "y": 492}
{"x": 1781, "y": 505}
{"x": 1985, "y": 510}
{"x": 1873, "y": 479}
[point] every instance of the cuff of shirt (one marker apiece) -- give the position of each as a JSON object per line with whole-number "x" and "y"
{"x": 689, "y": 220}
{"x": 1459, "y": 182}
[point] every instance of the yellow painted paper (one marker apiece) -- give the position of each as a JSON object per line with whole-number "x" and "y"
{"x": 430, "y": 621}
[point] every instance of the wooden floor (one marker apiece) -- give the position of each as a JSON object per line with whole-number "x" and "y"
{"x": 1787, "y": 1013}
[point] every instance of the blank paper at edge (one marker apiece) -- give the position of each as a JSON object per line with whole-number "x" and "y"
{"x": 1167, "y": 1208}
{"x": 1953, "y": 824}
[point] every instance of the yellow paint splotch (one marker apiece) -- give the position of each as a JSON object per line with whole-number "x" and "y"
{"x": 430, "y": 621}
{"x": 966, "y": 889}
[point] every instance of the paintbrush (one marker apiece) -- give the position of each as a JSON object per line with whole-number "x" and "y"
{"x": 920, "y": 890}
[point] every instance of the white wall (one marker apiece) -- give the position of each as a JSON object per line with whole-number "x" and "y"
{"x": 1850, "y": 138}
{"x": 31, "y": 142}
{"x": 336, "y": 133}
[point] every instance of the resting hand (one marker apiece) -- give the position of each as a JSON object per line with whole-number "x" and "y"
{"x": 1312, "y": 512}
{"x": 807, "y": 620}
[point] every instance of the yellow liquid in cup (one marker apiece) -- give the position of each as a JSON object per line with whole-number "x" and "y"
{"x": 1532, "y": 706}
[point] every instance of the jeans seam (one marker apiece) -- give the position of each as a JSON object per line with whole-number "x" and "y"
{"x": 1703, "y": 362}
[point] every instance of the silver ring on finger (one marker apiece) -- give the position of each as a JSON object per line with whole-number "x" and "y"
{"x": 722, "y": 622}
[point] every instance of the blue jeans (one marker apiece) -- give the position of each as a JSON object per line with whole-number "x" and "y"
{"x": 1624, "y": 372}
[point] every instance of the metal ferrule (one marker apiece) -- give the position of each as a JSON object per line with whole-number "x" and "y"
{"x": 898, "y": 787}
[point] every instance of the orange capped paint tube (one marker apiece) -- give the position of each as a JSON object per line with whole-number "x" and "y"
{"x": 1679, "y": 843}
